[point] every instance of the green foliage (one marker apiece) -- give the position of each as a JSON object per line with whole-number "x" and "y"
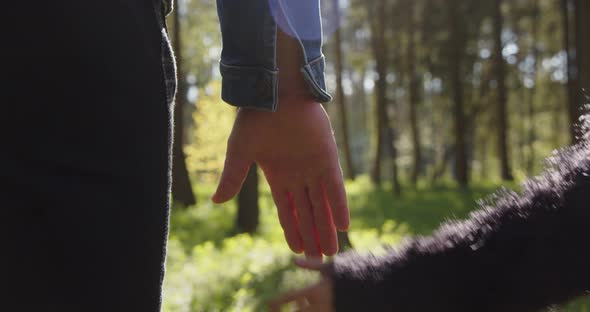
{"x": 209, "y": 271}
{"x": 200, "y": 39}
{"x": 213, "y": 120}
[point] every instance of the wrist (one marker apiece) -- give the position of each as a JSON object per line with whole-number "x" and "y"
{"x": 292, "y": 84}
{"x": 290, "y": 107}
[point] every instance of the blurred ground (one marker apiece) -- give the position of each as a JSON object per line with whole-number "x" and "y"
{"x": 209, "y": 269}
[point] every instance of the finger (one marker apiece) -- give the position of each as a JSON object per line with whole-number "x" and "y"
{"x": 301, "y": 303}
{"x": 306, "y": 223}
{"x": 317, "y": 308}
{"x": 333, "y": 186}
{"x": 288, "y": 220}
{"x": 310, "y": 264}
{"x": 234, "y": 173}
{"x": 293, "y": 296}
{"x": 323, "y": 220}
{"x": 315, "y": 298}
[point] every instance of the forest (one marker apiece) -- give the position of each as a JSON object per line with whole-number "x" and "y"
{"x": 437, "y": 104}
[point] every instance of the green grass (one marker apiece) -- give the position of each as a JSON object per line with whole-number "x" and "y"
{"x": 209, "y": 270}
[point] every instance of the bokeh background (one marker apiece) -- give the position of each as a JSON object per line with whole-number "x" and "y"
{"x": 437, "y": 104}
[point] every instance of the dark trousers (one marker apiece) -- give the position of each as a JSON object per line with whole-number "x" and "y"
{"x": 84, "y": 156}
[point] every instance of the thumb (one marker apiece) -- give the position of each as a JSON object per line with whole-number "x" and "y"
{"x": 234, "y": 173}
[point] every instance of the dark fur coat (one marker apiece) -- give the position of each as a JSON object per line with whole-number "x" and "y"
{"x": 519, "y": 252}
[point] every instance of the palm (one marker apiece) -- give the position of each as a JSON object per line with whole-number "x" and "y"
{"x": 296, "y": 150}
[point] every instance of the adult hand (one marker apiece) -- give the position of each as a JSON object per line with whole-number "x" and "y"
{"x": 316, "y": 298}
{"x": 295, "y": 149}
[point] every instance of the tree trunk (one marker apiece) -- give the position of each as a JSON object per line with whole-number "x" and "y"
{"x": 440, "y": 168}
{"x": 362, "y": 101}
{"x": 413, "y": 98}
{"x": 572, "y": 77}
{"x": 182, "y": 190}
{"x": 380, "y": 112}
{"x": 457, "y": 46}
{"x": 391, "y": 138}
{"x": 340, "y": 97}
{"x": 359, "y": 126}
{"x": 248, "y": 209}
{"x": 484, "y": 174}
{"x": 501, "y": 94}
{"x": 530, "y": 164}
{"x": 344, "y": 242}
{"x": 583, "y": 46}
{"x": 379, "y": 51}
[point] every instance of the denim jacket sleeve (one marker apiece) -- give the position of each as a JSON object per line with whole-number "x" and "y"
{"x": 248, "y": 60}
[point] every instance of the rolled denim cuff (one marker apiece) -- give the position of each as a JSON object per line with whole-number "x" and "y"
{"x": 257, "y": 88}
{"x": 249, "y": 87}
{"x": 313, "y": 72}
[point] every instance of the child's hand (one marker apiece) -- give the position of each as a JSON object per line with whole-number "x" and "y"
{"x": 316, "y": 298}
{"x": 295, "y": 148}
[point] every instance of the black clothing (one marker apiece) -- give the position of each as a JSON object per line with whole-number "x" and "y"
{"x": 529, "y": 251}
{"x": 84, "y": 163}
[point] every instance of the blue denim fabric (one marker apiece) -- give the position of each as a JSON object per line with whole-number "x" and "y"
{"x": 248, "y": 61}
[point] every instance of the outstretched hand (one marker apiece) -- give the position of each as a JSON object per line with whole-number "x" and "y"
{"x": 316, "y": 298}
{"x": 296, "y": 150}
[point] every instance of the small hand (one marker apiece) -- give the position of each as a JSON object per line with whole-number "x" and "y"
{"x": 296, "y": 150}
{"x": 316, "y": 298}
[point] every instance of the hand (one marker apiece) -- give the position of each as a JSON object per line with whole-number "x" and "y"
{"x": 295, "y": 149}
{"x": 316, "y": 298}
